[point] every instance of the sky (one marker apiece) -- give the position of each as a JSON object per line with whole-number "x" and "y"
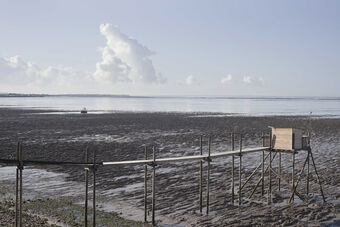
{"x": 190, "y": 48}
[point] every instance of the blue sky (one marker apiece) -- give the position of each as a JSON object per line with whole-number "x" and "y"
{"x": 212, "y": 48}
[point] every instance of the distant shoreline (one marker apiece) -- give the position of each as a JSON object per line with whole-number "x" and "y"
{"x": 23, "y": 95}
{"x": 254, "y": 106}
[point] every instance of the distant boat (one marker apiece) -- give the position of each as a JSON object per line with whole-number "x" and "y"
{"x": 83, "y": 111}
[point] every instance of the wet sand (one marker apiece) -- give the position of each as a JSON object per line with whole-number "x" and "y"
{"x": 121, "y": 136}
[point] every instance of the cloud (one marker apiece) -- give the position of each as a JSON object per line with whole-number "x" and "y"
{"x": 17, "y": 71}
{"x": 227, "y": 79}
{"x": 190, "y": 80}
{"x": 249, "y": 80}
{"x": 260, "y": 81}
{"x": 124, "y": 59}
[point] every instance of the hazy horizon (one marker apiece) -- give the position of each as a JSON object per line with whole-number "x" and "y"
{"x": 171, "y": 96}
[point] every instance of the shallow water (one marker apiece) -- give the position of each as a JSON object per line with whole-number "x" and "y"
{"x": 240, "y": 106}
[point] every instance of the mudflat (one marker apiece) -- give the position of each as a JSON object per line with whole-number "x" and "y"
{"x": 123, "y": 135}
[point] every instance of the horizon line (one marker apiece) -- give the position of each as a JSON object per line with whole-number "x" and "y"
{"x": 12, "y": 94}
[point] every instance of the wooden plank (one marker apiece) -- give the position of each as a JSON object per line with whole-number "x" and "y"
{"x": 282, "y": 138}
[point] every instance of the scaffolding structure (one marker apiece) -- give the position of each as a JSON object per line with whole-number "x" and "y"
{"x": 270, "y": 142}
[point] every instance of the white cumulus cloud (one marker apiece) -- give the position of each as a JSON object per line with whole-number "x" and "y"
{"x": 249, "y": 80}
{"x": 124, "y": 59}
{"x": 190, "y": 80}
{"x": 227, "y": 79}
{"x": 16, "y": 71}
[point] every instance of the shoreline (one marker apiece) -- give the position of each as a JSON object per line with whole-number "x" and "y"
{"x": 250, "y": 106}
{"x": 52, "y": 111}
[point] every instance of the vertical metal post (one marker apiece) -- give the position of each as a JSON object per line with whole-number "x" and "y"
{"x": 145, "y": 186}
{"x": 317, "y": 175}
{"x": 279, "y": 172}
{"x": 21, "y": 168}
{"x": 270, "y": 178}
{"x": 308, "y": 170}
{"x": 153, "y": 186}
{"x": 208, "y": 175}
{"x": 94, "y": 188}
{"x": 233, "y": 169}
{"x": 86, "y": 186}
{"x": 17, "y": 188}
{"x": 270, "y": 168}
{"x": 240, "y": 174}
{"x": 307, "y": 184}
{"x": 201, "y": 176}
{"x": 262, "y": 174}
{"x": 293, "y": 166}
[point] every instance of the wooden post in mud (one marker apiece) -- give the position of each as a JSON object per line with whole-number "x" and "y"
{"x": 279, "y": 172}
{"x": 240, "y": 174}
{"x": 253, "y": 173}
{"x": 86, "y": 186}
{"x": 21, "y": 168}
{"x": 298, "y": 180}
{"x": 270, "y": 168}
{"x": 94, "y": 188}
{"x": 307, "y": 183}
{"x": 259, "y": 181}
{"x": 17, "y": 188}
{"x": 308, "y": 150}
{"x": 317, "y": 176}
{"x": 208, "y": 175}
{"x": 270, "y": 178}
{"x": 262, "y": 174}
{"x": 293, "y": 165}
{"x": 145, "y": 186}
{"x": 201, "y": 176}
{"x": 153, "y": 186}
{"x": 232, "y": 169}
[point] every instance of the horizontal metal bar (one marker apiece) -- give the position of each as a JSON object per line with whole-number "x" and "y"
{"x": 187, "y": 158}
{"x": 15, "y": 162}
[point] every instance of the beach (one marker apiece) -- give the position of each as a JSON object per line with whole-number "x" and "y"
{"x": 55, "y": 136}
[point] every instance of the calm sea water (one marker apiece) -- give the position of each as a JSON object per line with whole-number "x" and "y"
{"x": 243, "y": 106}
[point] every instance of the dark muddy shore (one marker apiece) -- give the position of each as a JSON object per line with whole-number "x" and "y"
{"x": 121, "y": 136}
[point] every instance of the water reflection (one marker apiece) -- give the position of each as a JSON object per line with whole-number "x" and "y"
{"x": 251, "y": 106}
